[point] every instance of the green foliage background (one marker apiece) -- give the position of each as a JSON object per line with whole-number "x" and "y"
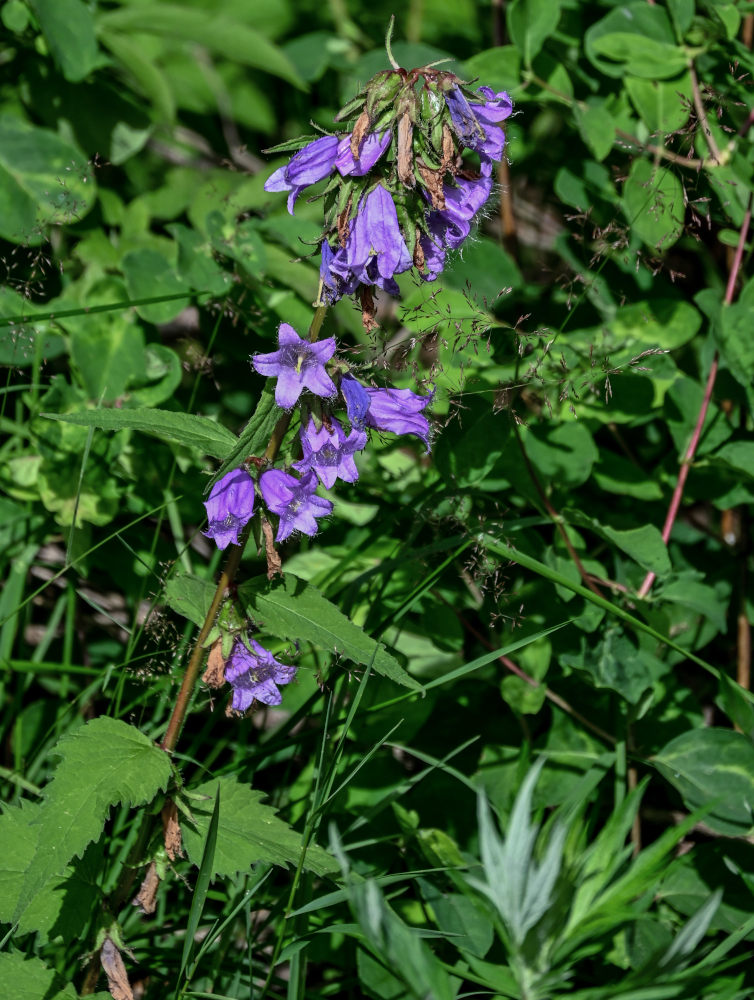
{"x": 463, "y": 614}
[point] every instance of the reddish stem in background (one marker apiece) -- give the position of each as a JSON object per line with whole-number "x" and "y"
{"x": 688, "y": 458}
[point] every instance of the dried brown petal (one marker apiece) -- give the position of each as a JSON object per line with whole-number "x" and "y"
{"x": 433, "y": 182}
{"x": 418, "y": 251}
{"x": 171, "y": 830}
{"x": 406, "y": 150}
{"x": 115, "y": 970}
{"x": 358, "y": 135}
{"x": 368, "y": 310}
{"x": 146, "y": 897}
{"x": 344, "y": 228}
{"x": 214, "y": 675}
{"x": 449, "y": 155}
{"x": 274, "y": 563}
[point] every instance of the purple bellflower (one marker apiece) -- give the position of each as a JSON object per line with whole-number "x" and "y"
{"x": 399, "y": 411}
{"x": 477, "y": 124}
{"x": 309, "y": 165}
{"x": 294, "y": 501}
{"x": 329, "y": 452}
{"x": 371, "y": 150}
{"x": 376, "y": 234}
{"x": 254, "y": 675}
{"x": 298, "y": 364}
{"x": 229, "y": 507}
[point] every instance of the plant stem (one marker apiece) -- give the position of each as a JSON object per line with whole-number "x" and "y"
{"x": 688, "y": 458}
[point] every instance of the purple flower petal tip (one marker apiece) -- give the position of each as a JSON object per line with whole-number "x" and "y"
{"x": 229, "y": 507}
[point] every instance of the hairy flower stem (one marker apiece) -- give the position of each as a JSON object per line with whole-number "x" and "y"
{"x": 227, "y": 577}
{"x": 688, "y": 458}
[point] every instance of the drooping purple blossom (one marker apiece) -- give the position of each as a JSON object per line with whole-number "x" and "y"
{"x": 376, "y": 239}
{"x": 329, "y": 451}
{"x": 254, "y": 675}
{"x": 476, "y": 125}
{"x": 311, "y": 164}
{"x": 294, "y": 501}
{"x": 229, "y": 507}
{"x": 397, "y": 410}
{"x": 298, "y": 364}
{"x": 371, "y": 150}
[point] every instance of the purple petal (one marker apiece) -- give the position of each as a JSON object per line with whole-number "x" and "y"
{"x": 371, "y": 150}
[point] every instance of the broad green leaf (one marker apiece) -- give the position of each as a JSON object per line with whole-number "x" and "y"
{"x": 44, "y": 180}
{"x": 645, "y": 545}
{"x": 196, "y": 264}
{"x": 30, "y": 979}
{"x": 187, "y": 429}
{"x": 715, "y": 768}
{"x": 68, "y": 28}
{"x": 681, "y": 14}
{"x": 104, "y": 763}
{"x": 640, "y": 55}
{"x": 248, "y": 833}
{"x": 295, "y": 610}
{"x": 597, "y": 127}
{"x": 162, "y": 373}
{"x": 659, "y": 323}
{"x": 637, "y": 20}
{"x": 108, "y": 352}
{"x": 653, "y": 204}
{"x": 148, "y": 275}
{"x": 470, "y": 447}
{"x": 60, "y": 908}
{"x": 499, "y": 68}
{"x": 190, "y": 596}
{"x": 564, "y": 453}
{"x": 616, "y": 474}
{"x": 228, "y": 38}
{"x": 662, "y": 104}
{"x": 530, "y": 24}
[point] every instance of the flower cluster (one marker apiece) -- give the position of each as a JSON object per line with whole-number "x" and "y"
{"x": 401, "y": 193}
{"x": 404, "y": 185}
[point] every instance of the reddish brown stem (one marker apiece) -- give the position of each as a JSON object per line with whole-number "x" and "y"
{"x": 688, "y": 458}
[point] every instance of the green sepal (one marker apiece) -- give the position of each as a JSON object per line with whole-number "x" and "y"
{"x": 382, "y": 91}
{"x": 353, "y": 108}
{"x": 292, "y": 145}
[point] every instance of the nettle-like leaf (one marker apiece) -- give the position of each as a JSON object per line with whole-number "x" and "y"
{"x": 293, "y": 609}
{"x": 249, "y": 832}
{"x": 63, "y": 905}
{"x": 31, "y": 979}
{"x": 185, "y": 428}
{"x": 104, "y": 763}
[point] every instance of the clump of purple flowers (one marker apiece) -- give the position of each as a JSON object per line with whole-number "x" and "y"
{"x": 405, "y": 194}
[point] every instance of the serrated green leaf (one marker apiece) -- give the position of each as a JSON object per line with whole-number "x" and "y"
{"x": 293, "y": 609}
{"x": 61, "y": 907}
{"x": 30, "y": 979}
{"x": 248, "y": 832}
{"x": 104, "y": 763}
{"x": 715, "y": 768}
{"x": 68, "y": 28}
{"x": 208, "y": 436}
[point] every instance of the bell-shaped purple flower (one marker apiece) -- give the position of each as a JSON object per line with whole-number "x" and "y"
{"x": 254, "y": 675}
{"x": 309, "y": 165}
{"x": 298, "y": 364}
{"x": 337, "y": 278}
{"x": 433, "y": 247}
{"x": 229, "y": 507}
{"x": 399, "y": 411}
{"x": 465, "y": 122}
{"x": 329, "y": 452}
{"x": 376, "y": 233}
{"x": 294, "y": 501}
{"x": 371, "y": 150}
{"x": 476, "y": 125}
